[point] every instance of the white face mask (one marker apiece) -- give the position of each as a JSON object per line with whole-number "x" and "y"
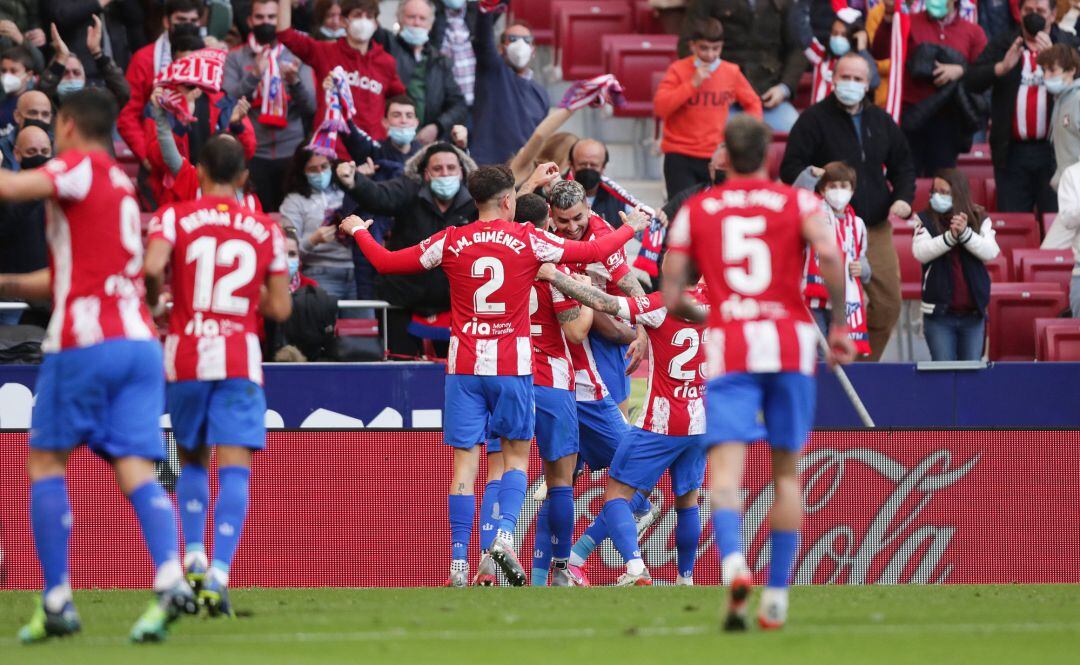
{"x": 519, "y": 53}
{"x": 361, "y": 29}
{"x": 838, "y": 197}
{"x": 11, "y": 83}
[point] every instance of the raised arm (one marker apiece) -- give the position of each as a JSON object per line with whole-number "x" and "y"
{"x": 571, "y": 251}
{"x": 418, "y": 258}
{"x": 522, "y": 164}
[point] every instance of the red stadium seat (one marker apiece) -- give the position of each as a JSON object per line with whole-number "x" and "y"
{"x": 1044, "y": 265}
{"x": 977, "y": 177}
{"x": 1042, "y": 325}
{"x": 1015, "y": 230}
{"x": 633, "y": 59}
{"x": 1063, "y": 344}
{"x": 1047, "y": 221}
{"x": 979, "y": 154}
{"x": 999, "y": 269}
{"x": 991, "y": 194}
{"x": 538, "y": 15}
{"x": 576, "y": 26}
{"x": 1012, "y": 313}
{"x": 646, "y": 19}
{"x": 774, "y": 157}
{"x": 357, "y": 328}
{"x": 910, "y": 268}
{"x": 802, "y": 94}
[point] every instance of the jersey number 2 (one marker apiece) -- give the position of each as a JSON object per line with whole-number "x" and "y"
{"x": 481, "y": 267}
{"x": 220, "y": 297}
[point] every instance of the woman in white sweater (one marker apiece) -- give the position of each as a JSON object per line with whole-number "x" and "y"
{"x": 1064, "y": 233}
{"x": 953, "y": 240}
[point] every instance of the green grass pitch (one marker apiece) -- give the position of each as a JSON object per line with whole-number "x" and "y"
{"x": 829, "y": 625}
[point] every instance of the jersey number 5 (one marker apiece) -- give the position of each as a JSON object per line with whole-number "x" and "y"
{"x": 741, "y": 244}
{"x": 220, "y": 297}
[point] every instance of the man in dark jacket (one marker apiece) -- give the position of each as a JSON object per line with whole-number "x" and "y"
{"x": 847, "y": 127}
{"x": 454, "y": 35}
{"x": 757, "y": 38}
{"x": 427, "y": 75}
{"x": 1020, "y": 145}
{"x": 427, "y": 199}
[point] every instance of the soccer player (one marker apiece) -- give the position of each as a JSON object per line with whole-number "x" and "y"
{"x": 101, "y": 382}
{"x": 222, "y": 254}
{"x": 667, "y": 435}
{"x": 491, "y": 266}
{"x": 748, "y": 237}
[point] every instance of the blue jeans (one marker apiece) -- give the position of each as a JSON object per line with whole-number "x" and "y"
{"x": 780, "y": 118}
{"x": 955, "y": 336}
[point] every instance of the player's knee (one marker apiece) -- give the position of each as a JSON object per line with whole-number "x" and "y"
{"x": 200, "y": 455}
{"x": 132, "y": 473}
{"x": 232, "y": 456}
{"x": 43, "y": 464}
{"x": 726, "y": 496}
{"x": 688, "y": 500}
{"x": 617, "y": 490}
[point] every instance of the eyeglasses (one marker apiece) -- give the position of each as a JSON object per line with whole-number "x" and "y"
{"x": 510, "y": 39}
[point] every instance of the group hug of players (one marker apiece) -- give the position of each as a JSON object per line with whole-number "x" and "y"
{"x": 519, "y": 363}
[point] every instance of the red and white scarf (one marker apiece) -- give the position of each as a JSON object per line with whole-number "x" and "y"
{"x": 851, "y": 238}
{"x": 823, "y": 64}
{"x": 599, "y": 91}
{"x": 270, "y": 96}
{"x": 1031, "y": 119}
{"x": 202, "y": 69}
{"x": 339, "y": 110}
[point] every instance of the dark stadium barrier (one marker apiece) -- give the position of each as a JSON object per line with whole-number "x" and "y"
{"x": 368, "y": 508}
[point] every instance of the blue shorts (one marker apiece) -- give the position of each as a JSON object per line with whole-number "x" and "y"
{"x": 493, "y": 445}
{"x": 479, "y": 406}
{"x": 230, "y": 412}
{"x": 556, "y": 423}
{"x": 645, "y": 455}
{"x": 109, "y": 396}
{"x": 611, "y": 363}
{"x": 786, "y": 399}
{"x": 602, "y": 430}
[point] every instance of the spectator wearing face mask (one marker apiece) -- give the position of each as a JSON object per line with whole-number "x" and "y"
{"x": 326, "y": 21}
{"x": 846, "y": 33}
{"x": 1060, "y": 65}
{"x": 509, "y": 103}
{"x": 282, "y": 94}
{"x": 33, "y": 110}
{"x": 180, "y": 17}
{"x": 17, "y": 75}
{"x": 1021, "y": 109}
{"x": 428, "y": 75}
{"x": 953, "y": 241}
{"x": 371, "y": 71}
{"x": 694, "y": 99}
{"x": 22, "y": 225}
{"x": 588, "y": 160}
{"x": 311, "y": 207}
{"x": 428, "y": 198}
{"x": 454, "y": 35}
{"x": 65, "y": 73}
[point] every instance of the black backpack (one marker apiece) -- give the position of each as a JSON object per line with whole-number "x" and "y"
{"x": 311, "y": 326}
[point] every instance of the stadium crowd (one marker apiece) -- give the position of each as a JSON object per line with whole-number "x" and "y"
{"x": 339, "y": 115}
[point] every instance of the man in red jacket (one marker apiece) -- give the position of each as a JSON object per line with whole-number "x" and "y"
{"x": 181, "y": 16}
{"x": 371, "y": 71}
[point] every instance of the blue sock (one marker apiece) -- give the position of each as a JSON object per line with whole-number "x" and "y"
{"x": 511, "y": 498}
{"x": 593, "y": 536}
{"x": 783, "y": 546}
{"x": 157, "y": 520}
{"x": 562, "y": 520}
{"x": 462, "y": 513}
{"x": 193, "y": 496}
{"x": 230, "y": 511}
{"x": 727, "y": 527}
{"x": 541, "y": 564}
{"x": 50, "y": 518}
{"x": 621, "y": 528}
{"x": 639, "y": 505}
{"x": 687, "y": 536}
{"x": 489, "y": 514}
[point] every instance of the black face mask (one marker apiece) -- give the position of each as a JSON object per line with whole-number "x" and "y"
{"x": 30, "y": 163}
{"x": 1034, "y": 24}
{"x": 190, "y": 29}
{"x": 41, "y": 124}
{"x": 264, "y": 33}
{"x": 589, "y": 178}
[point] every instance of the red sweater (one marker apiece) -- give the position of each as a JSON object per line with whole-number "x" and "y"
{"x": 372, "y": 76}
{"x": 956, "y": 33}
{"x": 140, "y": 77}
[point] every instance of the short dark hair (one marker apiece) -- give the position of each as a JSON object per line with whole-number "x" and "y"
{"x": 516, "y": 22}
{"x": 747, "y": 141}
{"x": 1060, "y": 55}
{"x": 487, "y": 182}
{"x": 708, "y": 30}
{"x": 403, "y": 100}
{"x": 185, "y": 43}
{"x": 836, "y": 172}
{"x": 434, "y": 149}
{"x": 349, "y": 6}
{"x": 22, "y": 55}
{"x": 93, "y": 110}
{"x": 174, "y": 6}
{"x": 531, "y": 208}
{"x": 222, "y": 159}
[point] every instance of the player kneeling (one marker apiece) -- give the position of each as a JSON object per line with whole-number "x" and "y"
{"x": 222, "y": 256}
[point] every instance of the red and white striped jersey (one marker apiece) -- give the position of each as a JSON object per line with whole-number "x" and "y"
{"x": 222, "y": 254}
{"x": 491, "y": 266}
{"x": 746, "y": 238}
{"x": 613, "y": 268}
{"x": 590, "y": 387}
{"x": 674, "y": 402}
{"x": 1032, "y": 115}
{"x": 94, "y": 235}
{"x": 551, "y": 353}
